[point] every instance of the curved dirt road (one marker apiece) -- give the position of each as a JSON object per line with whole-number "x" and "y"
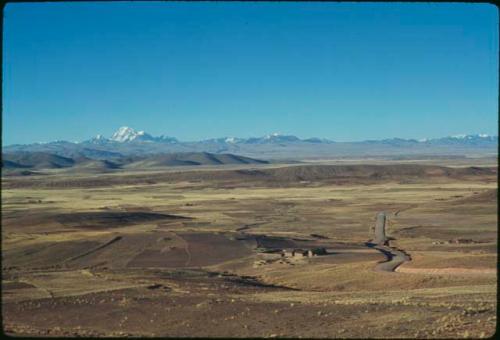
{"x": 395, "y": 257}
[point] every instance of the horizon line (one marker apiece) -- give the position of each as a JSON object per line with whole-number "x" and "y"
{"x": 458, "y": 136}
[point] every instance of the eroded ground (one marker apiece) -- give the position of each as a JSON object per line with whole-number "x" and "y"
{"x": 156, "y": 254}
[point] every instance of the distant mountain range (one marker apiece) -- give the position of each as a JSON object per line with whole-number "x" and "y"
{"x": 129, "y": 135}
{"x": 129, "y": 142}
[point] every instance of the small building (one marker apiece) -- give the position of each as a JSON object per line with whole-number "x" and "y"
{"x": 299, "y": 253}
{"x": 287, "y": 253}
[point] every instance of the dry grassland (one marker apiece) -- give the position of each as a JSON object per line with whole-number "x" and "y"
{"x": 126, "y": 270}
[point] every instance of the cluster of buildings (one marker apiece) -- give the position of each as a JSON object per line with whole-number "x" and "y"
{"x": 298, "y": 253}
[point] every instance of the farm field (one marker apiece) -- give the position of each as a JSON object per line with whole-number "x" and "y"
{"x": 206, "y": 252}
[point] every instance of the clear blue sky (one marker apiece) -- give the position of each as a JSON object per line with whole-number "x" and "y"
{"x": 345, "y": 71}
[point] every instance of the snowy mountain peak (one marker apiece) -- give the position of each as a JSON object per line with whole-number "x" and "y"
{"x": 125, "y": 134}
{"x": 272, "y": 135}
{"x": 478, "y": 136}
{"x": 99, "y": 139}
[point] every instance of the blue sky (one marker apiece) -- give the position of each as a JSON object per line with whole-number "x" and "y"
{"x": 345, "y": 71}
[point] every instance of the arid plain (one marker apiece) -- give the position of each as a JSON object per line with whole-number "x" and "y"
{"x": 197, "y": 251}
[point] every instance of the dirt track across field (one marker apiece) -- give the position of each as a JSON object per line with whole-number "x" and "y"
{"x": 395, "y": 257}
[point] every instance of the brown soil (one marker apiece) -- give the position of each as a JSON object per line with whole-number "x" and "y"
{"x": 110, "y": 219}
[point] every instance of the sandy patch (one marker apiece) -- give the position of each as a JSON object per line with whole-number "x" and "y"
{"x": 447, "y": 271}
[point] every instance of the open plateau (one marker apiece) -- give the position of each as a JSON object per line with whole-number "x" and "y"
{"x": 208, "y": 242}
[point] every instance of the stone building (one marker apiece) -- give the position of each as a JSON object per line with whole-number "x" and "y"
{"x": 299, "y": 253}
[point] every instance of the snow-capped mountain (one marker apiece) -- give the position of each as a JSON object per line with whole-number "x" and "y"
{"x": 126, "y": 134}
{"x": 99, "y": 139}
{"x": 272, "y": 138}
{"x": 166, "y": 139}
{"x": 475, "y": 139}
{"x": 232, "y": 140}
{"x": 223, "y": 140}
{"x": 268, "y": 139}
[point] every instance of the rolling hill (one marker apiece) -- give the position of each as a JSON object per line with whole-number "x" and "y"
{"x": 192, "y": 158}
{"x": 35, "y": 160}
{"x": 43, "y": 160}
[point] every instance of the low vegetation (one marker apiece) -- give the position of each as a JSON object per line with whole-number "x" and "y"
{"x": 198, "y": 252}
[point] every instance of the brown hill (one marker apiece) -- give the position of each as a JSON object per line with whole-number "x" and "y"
{"x": 35, "y": 160}
{"x": 393, "y": 171}
{"x": 97, "y": 165}
{"x": 42, "y": 160}
{"x": 191, "y": 158}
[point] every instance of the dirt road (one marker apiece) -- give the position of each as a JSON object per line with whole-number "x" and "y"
{"x": 380, "y": 237}
{"x": 395, "y": 257}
